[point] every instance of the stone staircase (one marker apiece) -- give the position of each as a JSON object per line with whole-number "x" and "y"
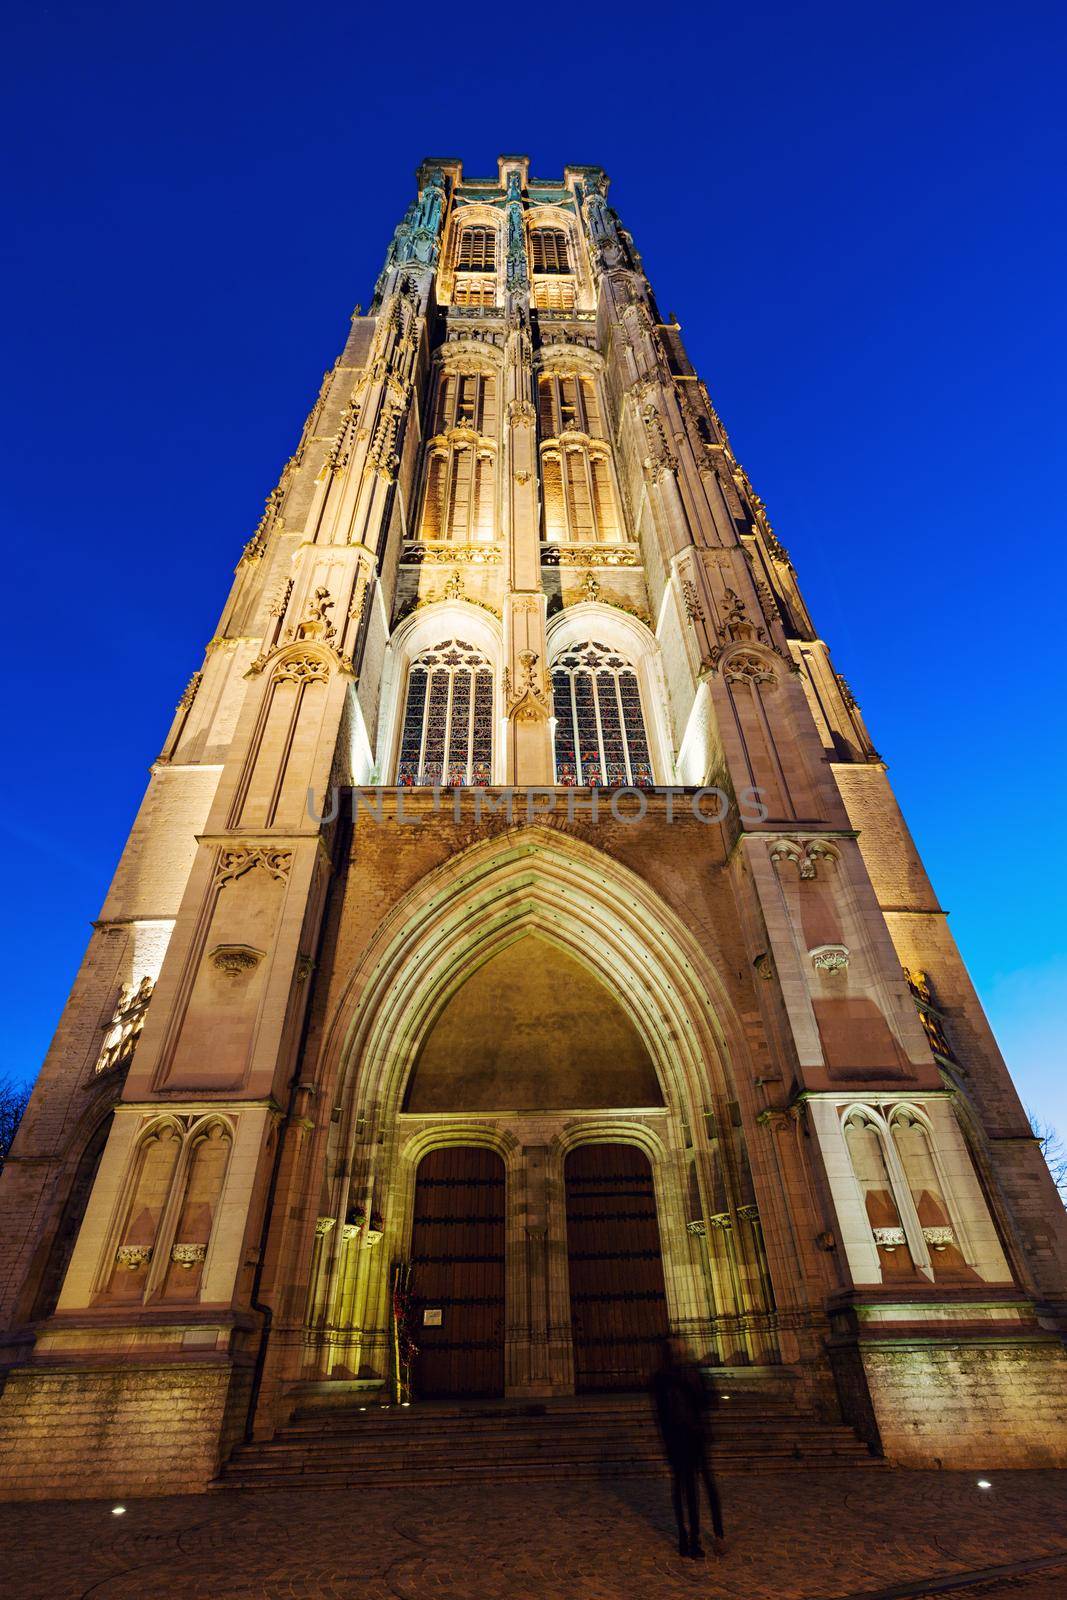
{"x": 370, "y": 1444}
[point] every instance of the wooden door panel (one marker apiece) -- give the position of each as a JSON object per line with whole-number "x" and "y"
{"x": 618, "y": 1300}
{"x": 457, "y": 1259}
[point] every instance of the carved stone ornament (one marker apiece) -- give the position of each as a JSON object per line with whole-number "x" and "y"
{"x": 586, "y": 556}
{"x": 829, "y": 957}
{"x": 124, "y": 1029}
{"x": 324, "y": 1225}
{"x": 189, "y": 692}
{"x": 889, "y": 1238}
{"x": 234, "y": 863}
{"x": 744, "y": 667}
{"x": 939, "y": 1238}
{"x": 188, "y": 1255}
{"x": 133, "y": 1256}
{"x": 302, "y": 669}
{"x": 527, "y": 701}
{"x": 236, "y": 960}
{"x": 804, "y": 854}
{"x": 698, "y": 1227}
{"x": 452, "y": 554}
{"x": 764, "y": 965}
{"x": 691, "y": 600}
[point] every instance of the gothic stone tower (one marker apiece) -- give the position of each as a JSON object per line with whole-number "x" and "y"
{"x": 590, "y": 1060}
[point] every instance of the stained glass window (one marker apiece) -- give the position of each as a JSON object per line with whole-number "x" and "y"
{"x": 600, "y": 729}
{"x": 447, "y": 732}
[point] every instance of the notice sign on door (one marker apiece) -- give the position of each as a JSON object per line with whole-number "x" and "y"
{"x": 431, "y": 1317}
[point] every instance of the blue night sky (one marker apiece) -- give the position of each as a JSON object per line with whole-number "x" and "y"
{"x": 855, "y": 212}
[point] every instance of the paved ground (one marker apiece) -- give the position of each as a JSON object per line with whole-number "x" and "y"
{"x": 793, "y": 1536}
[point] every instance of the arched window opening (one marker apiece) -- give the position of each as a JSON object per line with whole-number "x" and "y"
{"x": 447, "y": 731}
{"x": 578, "y": 497}
{"x": 912, "y": 1140}
{"x": 192, "y": 1235}
{"x": 553, "y": 294}
{"x": 869, "y": 1164}
{"x": 157, "y": 1159}
{"x": 568, "y": 404}
{"x": 66, "y": 1234}
{"x": 548, "y": 250}
{"x": 600, "y": 728}
{"x": 458, "y": 482}
{"x": 476, "y": 250}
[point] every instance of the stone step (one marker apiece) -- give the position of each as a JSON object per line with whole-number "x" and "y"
{"x": 429, "y": 1444}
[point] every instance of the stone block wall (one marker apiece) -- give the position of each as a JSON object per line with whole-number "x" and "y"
{"x": 117, "y": 1432}
{"x": 970, "y": 1405}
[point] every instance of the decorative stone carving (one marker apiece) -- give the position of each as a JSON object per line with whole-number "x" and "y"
{"x": 929, "y": 1015}
{"x": 236, "y": 960}
{"x": 805, "y": 854}
{"x": 698, "y": 1227}
{"x": 124, "y": 1029}
{"x": 660, "y": 458}
{"x": 281, "y": 599}
{"x": 889, "y": 1238}
{"x": 744, "y": 667}
{"x": 315, "y": 623}
{"x": 456, "y": 554}
{"x": 303, "y": 669}
{"x": 527, "y": 701}
{"x": 691, "y": 600}
{"x": 188, "y": 1256}
{"x": 829, "y": 957}
{"x": 939, "y": 1238}
{"x": 234, "y": 862}
{"x": 521, "y": 412}
{"x": 133, "y": 1256}
{"x": 591, "y": 586}
{"x": 189, "y": 692}
{"x": 324, "y": 1225}
{"x": 454, "y": 588}
{"x": 764, "y": 965}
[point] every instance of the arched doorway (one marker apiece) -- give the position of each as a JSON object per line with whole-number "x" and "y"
{"x": 457, "y": 1260}
{"x": 618, "y": 1300}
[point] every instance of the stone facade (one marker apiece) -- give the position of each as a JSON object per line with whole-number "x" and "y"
{"x": 515, "y": 689}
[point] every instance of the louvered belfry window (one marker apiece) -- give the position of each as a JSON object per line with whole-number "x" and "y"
{"x": 447, "y": 732}
{"x": 577, "y": 493}
{"x": 476, "y": 251}
{"x": 459, "y": 500}
{"x": 600, "y": 728}
{"x": 548, "y": 250}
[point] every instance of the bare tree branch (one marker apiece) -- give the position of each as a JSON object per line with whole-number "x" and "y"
{"x": 13, "y": 1100}
{"x": 1053, "y": 1149}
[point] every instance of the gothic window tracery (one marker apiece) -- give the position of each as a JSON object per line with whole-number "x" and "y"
{"x": 601, "y": 739}
{"x": 578, "y": 496}
{"x": 447, "y": 730}
{"x": 459, "y": 481}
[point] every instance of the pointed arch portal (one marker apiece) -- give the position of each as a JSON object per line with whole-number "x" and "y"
{"x": 532, "y": 1005}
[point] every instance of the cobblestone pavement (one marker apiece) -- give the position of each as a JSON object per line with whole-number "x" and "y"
{"x": 792, "y": 1536}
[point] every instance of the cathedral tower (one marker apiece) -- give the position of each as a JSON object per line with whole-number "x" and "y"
{"x": 519, "y": 950}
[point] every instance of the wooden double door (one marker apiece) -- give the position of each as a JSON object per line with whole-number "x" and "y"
{"x": 617, "y": 1297}
{"x": 618, "y": 1300}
